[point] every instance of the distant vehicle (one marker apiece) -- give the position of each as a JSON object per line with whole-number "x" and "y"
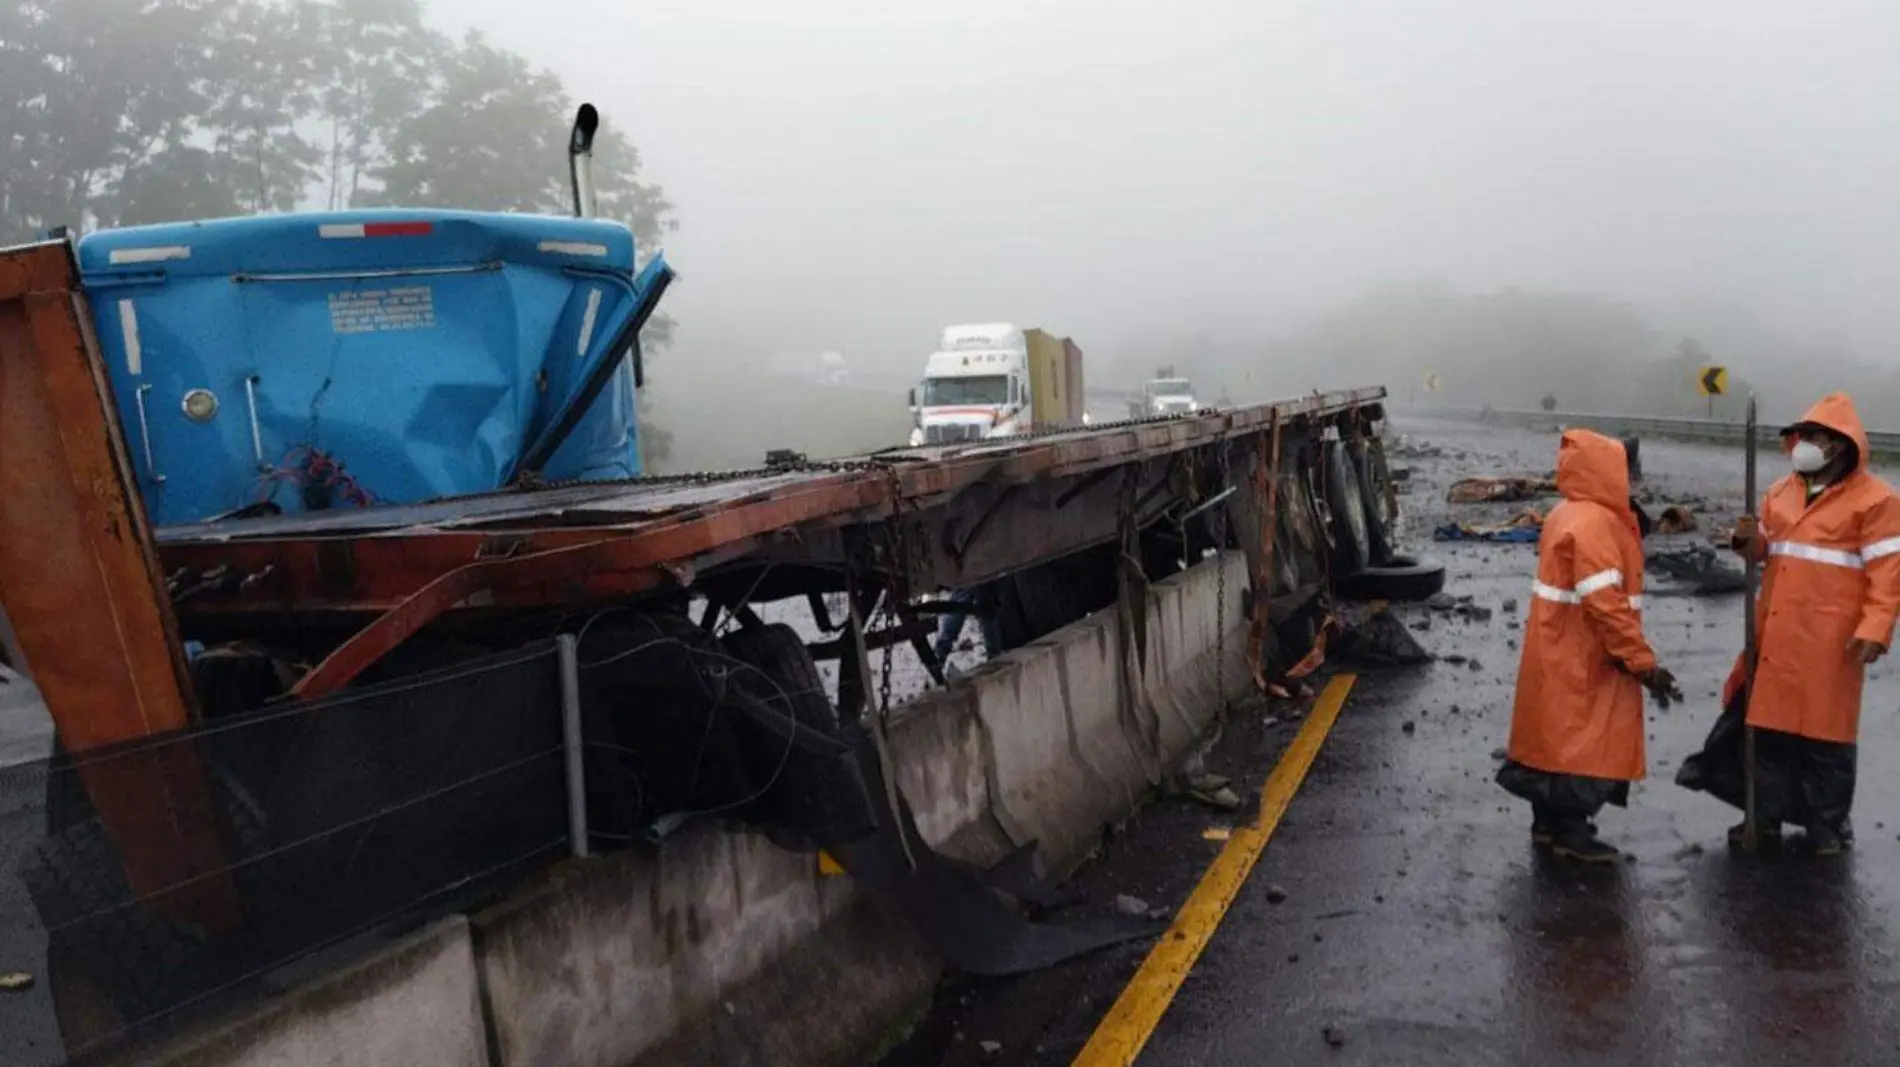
{"x": 995, "y": 380}
{"x": 1166, "y": 395}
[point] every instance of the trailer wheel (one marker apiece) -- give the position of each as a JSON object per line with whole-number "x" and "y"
{"x": 780, "y": 654}
{"x": 1375, "y": 495}
{"x": 1352, "y": 540}
{"x": 1398, "y": 578}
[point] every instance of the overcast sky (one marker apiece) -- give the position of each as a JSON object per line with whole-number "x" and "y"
{"x": 854, "y": 174}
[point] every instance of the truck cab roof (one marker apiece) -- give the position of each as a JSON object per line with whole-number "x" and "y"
{"x": 355, "y": 240}
{"x": 254, "y": 360}
{"x": 983, "y": 336}
{"x": 973, "y": 364}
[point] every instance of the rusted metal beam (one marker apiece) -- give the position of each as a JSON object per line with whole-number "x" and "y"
{"x": 902, "y": 633}
{"x": 84, "y": 595}
{"x": 382, "y": 571}
{"x": 618, "y": 560}
{"x": 355, "y": 566}
{"x": 982, "y": 522}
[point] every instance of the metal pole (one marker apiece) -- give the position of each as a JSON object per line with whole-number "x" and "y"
{"x": 1750, "y": 830}
{"x": 571, "y": 741}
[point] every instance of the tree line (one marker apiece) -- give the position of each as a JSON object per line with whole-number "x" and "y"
{"x": 126, "y": 112}
{"x": 121, "y": 112}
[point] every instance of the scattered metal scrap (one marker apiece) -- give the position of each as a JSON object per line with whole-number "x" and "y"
{"x": 1523, "y": 528}
{"x": 1676, "y": 519}
{"x": 1381, "y": 641}
{"x": 1499, "y": 490}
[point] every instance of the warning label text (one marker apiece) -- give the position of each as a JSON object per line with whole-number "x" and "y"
{"x": 379, "y": 310}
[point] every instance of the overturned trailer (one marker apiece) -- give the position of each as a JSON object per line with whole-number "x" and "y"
{"x": 279, "y": 731}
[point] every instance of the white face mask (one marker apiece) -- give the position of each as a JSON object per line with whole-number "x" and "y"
{"x": 1808, "y": 457}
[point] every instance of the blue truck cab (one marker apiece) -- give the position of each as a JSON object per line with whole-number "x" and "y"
{"x": 303, "y": 362}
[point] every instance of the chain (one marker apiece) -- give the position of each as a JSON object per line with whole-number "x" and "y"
{"x": 899, "y": 565}
{"x": 1218, "y": 521}
{"x": 884, "y": 460}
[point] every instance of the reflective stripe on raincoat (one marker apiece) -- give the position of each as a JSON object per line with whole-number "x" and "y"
{"x": 1579, "y": 707}
{"x": 1833, "y": 575}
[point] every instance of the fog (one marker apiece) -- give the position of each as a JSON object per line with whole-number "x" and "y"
{"x": 1211, "y": 174}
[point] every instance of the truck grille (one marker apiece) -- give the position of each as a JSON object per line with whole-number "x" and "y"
{"x": 951, "y": 433}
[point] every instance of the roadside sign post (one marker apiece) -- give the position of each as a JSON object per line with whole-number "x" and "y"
{"x": 1712, "y": 381}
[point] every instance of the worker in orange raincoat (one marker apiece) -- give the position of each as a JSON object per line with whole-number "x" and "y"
{"x": 1829, "y": 534}
{"x": 1577, "y": 723}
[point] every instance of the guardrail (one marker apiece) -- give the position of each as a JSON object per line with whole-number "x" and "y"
{"x": 1881, "y": 442}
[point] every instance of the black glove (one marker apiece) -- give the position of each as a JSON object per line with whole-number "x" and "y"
{"x": 1661, "y": 685}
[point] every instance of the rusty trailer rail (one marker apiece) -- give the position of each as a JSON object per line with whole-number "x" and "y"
{"x": 382, "y": 601}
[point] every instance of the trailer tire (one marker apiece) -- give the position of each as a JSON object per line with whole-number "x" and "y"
{"x": 1398, "y": 578}
{"x": 1346, "y": 507}
{"x": 777, "y": 651}
{"x": 1374, "y": 485}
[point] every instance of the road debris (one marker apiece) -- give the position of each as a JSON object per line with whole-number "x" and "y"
{"x": 1700, "y": 568}
{"x": 1510, "y": 606}
{"x": 1223, "y": 798}
{"x": 1381, "y": 641}
{"x": 1276, "y": 895}
{"x": 1523, "y": 528}
{"x": 1409, "y": 449}
{"x": 1334, "y": 1036}
{"x": 1217, "y": 833}
{"x": 1497, "y": 490}
{"x": 990, "y": 1048}
{"x": 1208, "y": 783}
{"x": 1676, "y": 519}
{"x": 1410, "y": 727}
{"x": 1131, "y": 905}
{"x": 1474, "y": 612}
{"x": 15, "y": 982}
{"x": 1442, "y": 602}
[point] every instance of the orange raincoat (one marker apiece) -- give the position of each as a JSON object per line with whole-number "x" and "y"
{"x": 1579, "y": 707}
{"x": 1833, "y": 575}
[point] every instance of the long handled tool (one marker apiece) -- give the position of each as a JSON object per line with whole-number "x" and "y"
{"x": 1750, "y": 832}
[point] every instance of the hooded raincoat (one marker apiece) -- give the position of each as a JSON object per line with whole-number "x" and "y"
{"x": 1579, "y": 707}
{"x": 1833, "y": 575}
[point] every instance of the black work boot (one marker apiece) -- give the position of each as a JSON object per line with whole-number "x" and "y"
{"x": 1825, "y": 840}
{"x": 1766, "y": 833}
{"x": 1544, "y": 828}
{"x": 1578, "y": 840}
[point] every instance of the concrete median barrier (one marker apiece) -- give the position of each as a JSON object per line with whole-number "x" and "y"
{"x": 720, "y": 947}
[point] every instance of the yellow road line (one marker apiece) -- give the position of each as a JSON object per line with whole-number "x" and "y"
{"x": 1126, "y": 1028}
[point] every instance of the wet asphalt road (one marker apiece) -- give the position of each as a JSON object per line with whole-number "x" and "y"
{"x": 26, "y": 731}
{"x": 1420, "y": 923}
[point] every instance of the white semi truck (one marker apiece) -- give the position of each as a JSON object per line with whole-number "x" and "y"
{"x": 995, "y": 380}
{"x": 1165, "y": 394}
